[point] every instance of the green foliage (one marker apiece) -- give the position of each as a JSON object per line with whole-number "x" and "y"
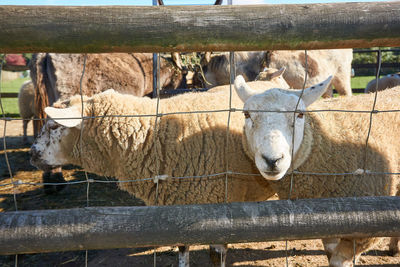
{"x": 190, "y": 59}
{"x": 371, "y": 58}
{"x": 387, "y": 56}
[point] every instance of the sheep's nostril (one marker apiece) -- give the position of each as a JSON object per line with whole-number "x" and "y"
{"x": 271, "y": 162}
{"x": 34, "y": 153}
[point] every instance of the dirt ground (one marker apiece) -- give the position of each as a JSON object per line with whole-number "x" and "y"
{"x": 30, "y": 197}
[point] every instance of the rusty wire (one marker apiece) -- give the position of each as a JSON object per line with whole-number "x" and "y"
{"x": 81, "y": 130}
{"x": 156, "y": 90}
{"x": 211, "y": 111}
{"x": 19, "y": 182}
{"x": 158, "y": 114}
{"x": 294, "y": 131}
{"x": 5, "y": 143}
{"x": 232, "y": 74}
{"x": 156, "y": 122}
{"x": 15, "y": 184}
{"x": 369, "y": 133}
{"x": 81, "y": 142}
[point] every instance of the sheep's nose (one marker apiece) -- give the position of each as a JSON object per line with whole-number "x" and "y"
{"x": 35, "y": 154}
{"x": 272, "y": 163}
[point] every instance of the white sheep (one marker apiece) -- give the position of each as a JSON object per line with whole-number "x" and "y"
{"x": 389, "y": 81}
{"x": 185, "y": 145}
{"x": 324, "y": 142}
{"x": 26, "y": 104}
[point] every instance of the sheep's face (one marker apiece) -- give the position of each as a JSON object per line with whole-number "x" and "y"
{"x": 273, "y": 137}
{"x": 46, "y": 152}
{"x": 49, "y": 148}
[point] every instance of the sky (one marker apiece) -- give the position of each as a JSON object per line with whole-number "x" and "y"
{"x": 166, "y": 2}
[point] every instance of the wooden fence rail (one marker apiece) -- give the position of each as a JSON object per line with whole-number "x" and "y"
{"x": 7, "y": 67}
{"x": 121, "y": 227}
{"x": 8, "y": 95}
{"x": 198, "y": 28}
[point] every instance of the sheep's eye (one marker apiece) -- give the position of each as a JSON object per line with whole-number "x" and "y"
{"x": 246, "y": 114}
{"x": 53, "y": 126}
{"x": 300, "y": 115}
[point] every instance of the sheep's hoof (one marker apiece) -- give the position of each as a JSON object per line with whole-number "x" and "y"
{"x": 394, "y": 247}
{"x": 218, "y": 255}
{"x": 394, "y": 253}
{"x": 49, "y": 177}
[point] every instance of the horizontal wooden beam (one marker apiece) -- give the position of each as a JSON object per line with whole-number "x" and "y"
{"x": 7, "y": 67}
{"x": 72, "y": 29}
{"x": 8, "y": 95}
{"x": 122, "y": 227}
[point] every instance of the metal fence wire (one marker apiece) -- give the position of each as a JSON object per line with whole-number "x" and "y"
{"x": 159, "y": 116}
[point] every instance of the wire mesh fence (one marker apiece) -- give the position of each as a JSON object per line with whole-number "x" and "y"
{"x": 157, "y": 177}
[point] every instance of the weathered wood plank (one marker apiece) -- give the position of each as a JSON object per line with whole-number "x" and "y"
{"x": 8, "y": 95}
{"x": 119, "y": 227}
{"x": 7, "y": 67}
{"x": 198, "y": 28}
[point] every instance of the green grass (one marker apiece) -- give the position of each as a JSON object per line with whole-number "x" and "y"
{"x": 10, "y": 105}
{"x": 361, "y": 81}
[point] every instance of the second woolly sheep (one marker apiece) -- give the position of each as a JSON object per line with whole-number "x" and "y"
{"x": 385, "y": 82}
{"x": 26, "y": 104}
{"x": 297, "y": 150}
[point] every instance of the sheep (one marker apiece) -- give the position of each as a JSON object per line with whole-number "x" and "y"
{"x": 26, "y": 105}
{"x": 127, "y": 148}
{"x": 320, "y": 63}
{"x": 324, "y": 142}
{"x": 385, "y": 82}
{"x": 57, "y": 77}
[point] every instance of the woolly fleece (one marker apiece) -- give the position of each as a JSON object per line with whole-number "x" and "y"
{"x": 337, "y": 141}
{"x": 185, "y": 145}
{"x": 26, "y": 100}
{"x": 383, "y": 83}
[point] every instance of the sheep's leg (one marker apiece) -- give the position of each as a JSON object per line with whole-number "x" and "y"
{"x": 343, "y": 254}
{"x": 329, "y": 245}
{"x": 394, "y": 246}
{"x": 183, "y": 256}
{"x": 342, "y": 85}
{"x": 25, "y": 127}
{"x": 53, "y": 176}
{"x": 218, "y": 254}
{"x": 328, "y": 93}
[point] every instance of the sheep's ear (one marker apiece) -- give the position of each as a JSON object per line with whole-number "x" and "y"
{"x": 243, "y": 90}
{"x": 278, "y": 73}
{"x": 311, "y": 94}
{"x": 64, "y": 116}
{"x": 108, "y": 91}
